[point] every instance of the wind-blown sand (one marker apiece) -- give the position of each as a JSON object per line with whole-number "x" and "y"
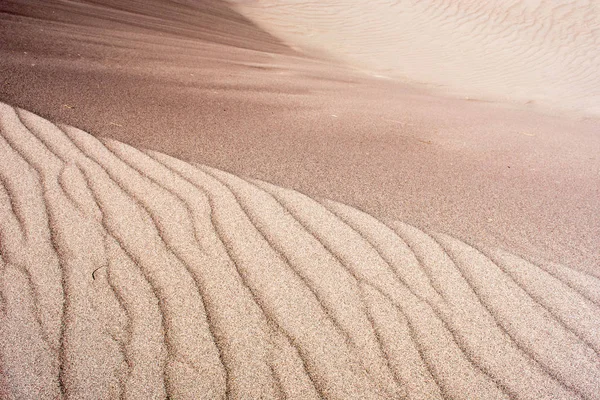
{"x": 129, "y": 273}
{"x": 407, "y": 245}
{"x": 541, "y": 51}
{"x": 203, "y": 84}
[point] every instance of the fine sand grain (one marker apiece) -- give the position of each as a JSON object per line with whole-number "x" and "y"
{"x": 543, "y": 51}
{"x": 131, "y": 274}
{"x": 203, "y": 199}
{"x": 200, "y": 82}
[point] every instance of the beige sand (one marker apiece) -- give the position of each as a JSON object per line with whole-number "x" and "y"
{"x": 128, "y": 273}
{"x": 132, "y": 273}
{"x": 527, "y": 51}
{"x": 174, "y": 79}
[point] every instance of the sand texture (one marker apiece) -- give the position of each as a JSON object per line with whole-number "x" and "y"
{"x": 545, "y": 51}
{"x": 198, "y": 81}
{"x": 260, "y": 199}
{"x": 131, "y": 274}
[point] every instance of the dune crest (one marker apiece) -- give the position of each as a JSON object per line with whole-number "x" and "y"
{"x": 131, "y": 274}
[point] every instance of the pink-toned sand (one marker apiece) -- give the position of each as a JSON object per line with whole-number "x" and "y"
{"x": 541, "y": 52}
{"x": 410, "y": 243}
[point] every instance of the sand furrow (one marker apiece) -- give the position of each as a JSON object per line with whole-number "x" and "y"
{"x": 190, "y": 252}
{"x": 10, "y": 226}
{"x": 352, "y": 251}
{"x": 114, "y": 308}
{"x": 226, "y": 242}
{"x": 237, "y": 375}
{"x": 34, "y": 253}
{"x": 150, "y": 355}
{"x": 386, "y": 358}
{"x": 96, "y": 335}
{"x": 267, "y": 235}
{"x": 151, "y": 273}
{"x": 80, "y": 327}
{"x": 14, "y": 158}
{"x": 250, "y": 332}
{"x": 194, "y": 353}
{"x": 63, "y": 144}
{"x": 174, "y": 228}
{"x": 291, "y": 371}
{"x": 573, "y": 311}
{"x": 406, "y": 357}
{"x": 130, "y": 274}
{"x": 17, "y": 227}
{"x": 501, "y": 378}
{"x": 299, "y": 312}
{"x": 470, "y": 313}
{"x": 147, "y": 345}
{"x": 586, "y": 285}
{"x": 396, "y": 254}
{"x": 370, "y": 223}
{"x": 144, "y": 342}
{"x": 507, "y": 305}
{"x": 29, "y": 370}
{"x": 411, "y": 273}
{"x": 314, "y": 271}
{"x": 262, "y": 369}
{"x": 374, "y": 223}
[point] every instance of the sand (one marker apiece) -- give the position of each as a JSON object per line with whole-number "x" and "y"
{"x": 194, "y": 208}
{"x": 504, "y": 175}
{"x": 541, "y": 51}
{"x": 129, "y": 273}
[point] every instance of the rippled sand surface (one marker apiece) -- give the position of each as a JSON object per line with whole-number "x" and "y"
{"x": 538, "y": 51}
{"x": 196, "y": 204}
{"x": 128, "y": 273}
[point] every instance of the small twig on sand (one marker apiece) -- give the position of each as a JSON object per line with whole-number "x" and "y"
{"x": 94, "y": 273}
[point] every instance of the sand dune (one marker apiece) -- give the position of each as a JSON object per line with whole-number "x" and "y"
{"x": 201, "y": 83}
{"x": 131, "y": 274}
{"x": 540, "y": 51}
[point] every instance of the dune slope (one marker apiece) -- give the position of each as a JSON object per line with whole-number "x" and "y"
{"x": 523, "y": 51}
{"x": 131, "y": 274}
{"x": 203, "y": 84}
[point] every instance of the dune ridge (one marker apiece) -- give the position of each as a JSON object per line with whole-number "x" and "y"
{"x": 127, "y": 273}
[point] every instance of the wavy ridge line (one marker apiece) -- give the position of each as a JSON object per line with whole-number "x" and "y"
{"x": 176, "y": 280}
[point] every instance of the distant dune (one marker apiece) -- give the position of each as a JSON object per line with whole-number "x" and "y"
{"x": 539, "y": 51}
{"x": 131, "y": 274}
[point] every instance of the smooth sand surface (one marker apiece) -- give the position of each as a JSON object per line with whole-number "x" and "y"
{"x": 442, "y": 247}
{"x": 477, "y": 170}
{"x": 132, "y": 274}
{"x": 542, "y": 51}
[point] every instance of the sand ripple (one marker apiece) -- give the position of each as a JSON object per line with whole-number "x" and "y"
{"x": 131, "y": 274}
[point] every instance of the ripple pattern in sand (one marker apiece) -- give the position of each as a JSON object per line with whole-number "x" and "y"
{"x": 130, "y": 274}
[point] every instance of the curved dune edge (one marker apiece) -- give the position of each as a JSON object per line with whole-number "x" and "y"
{"x": 131, "y": 274}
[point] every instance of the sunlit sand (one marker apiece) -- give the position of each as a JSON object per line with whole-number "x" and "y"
{"x": 252, "y": 200}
